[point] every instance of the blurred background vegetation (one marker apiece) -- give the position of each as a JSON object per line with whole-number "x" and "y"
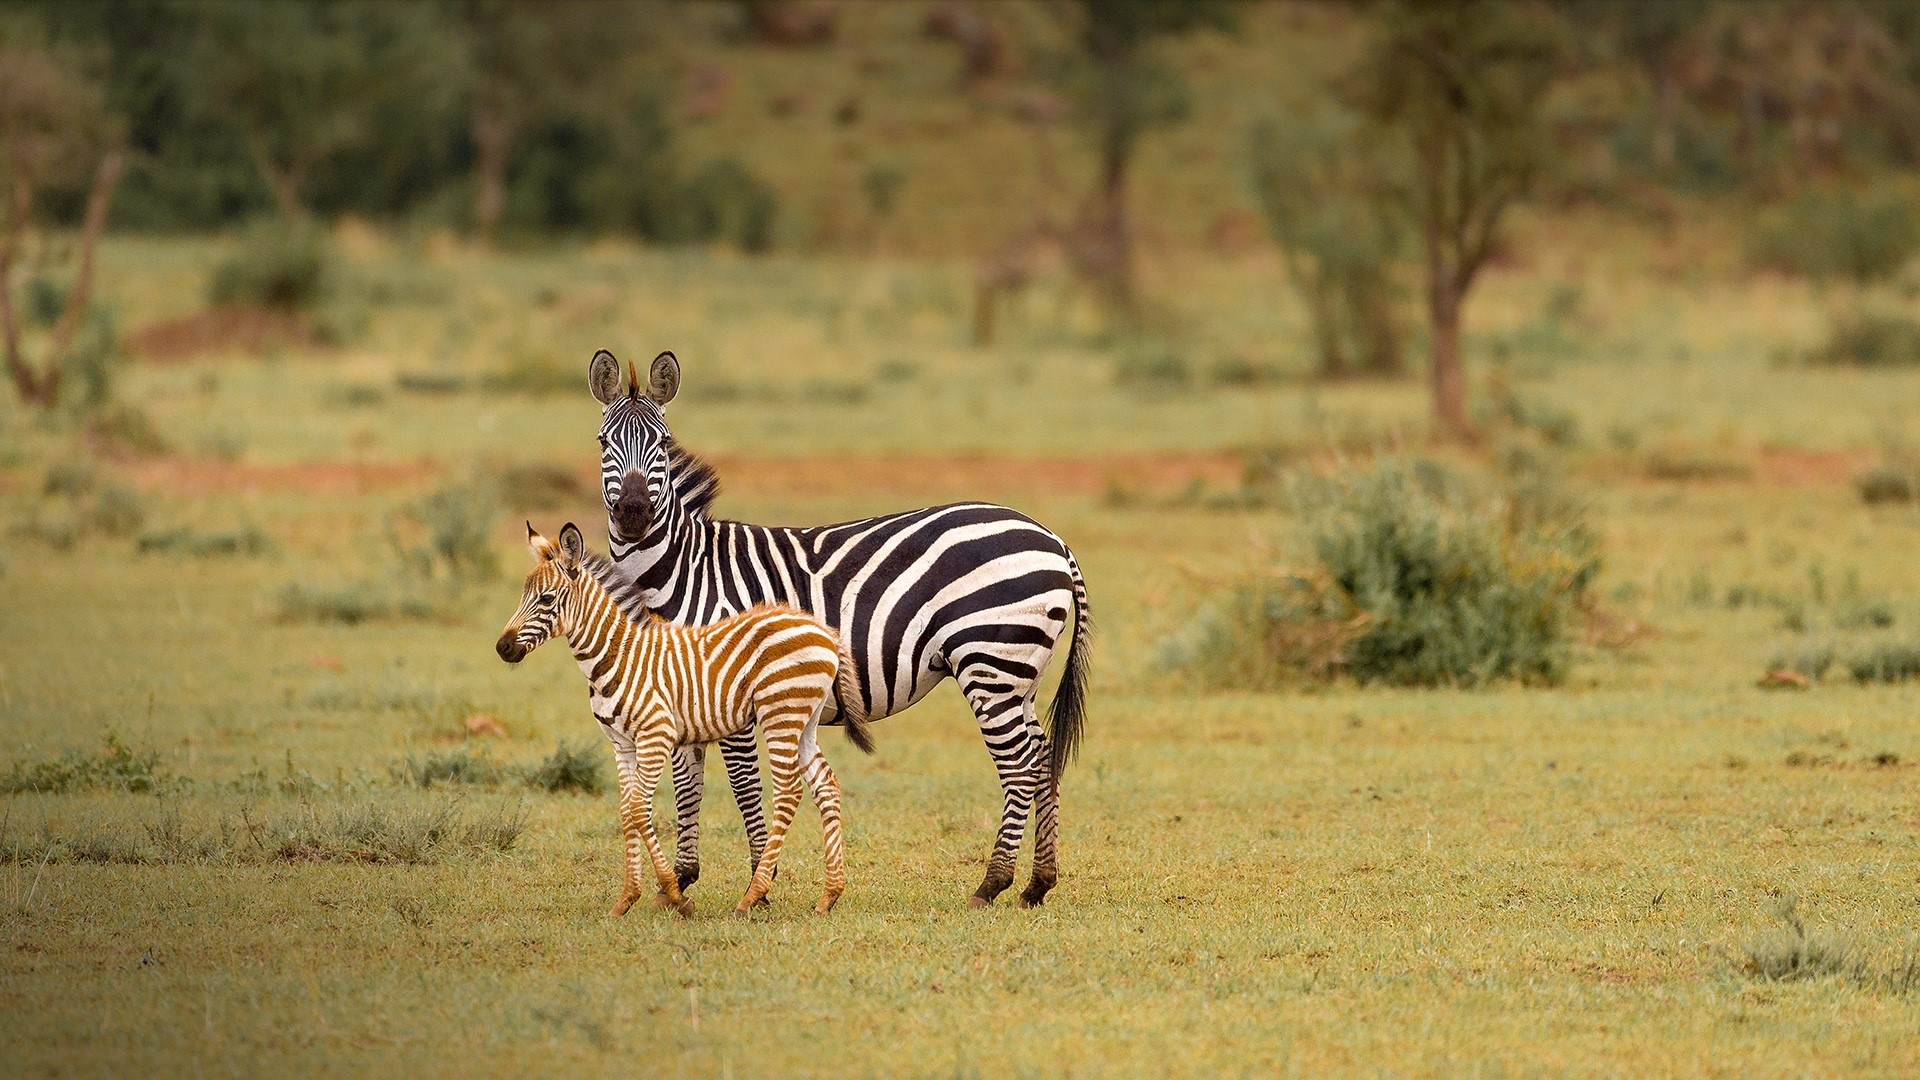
{"x": 1381, "y": 150}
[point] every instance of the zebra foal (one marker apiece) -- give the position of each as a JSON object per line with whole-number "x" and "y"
{"x": 655, "y": 687}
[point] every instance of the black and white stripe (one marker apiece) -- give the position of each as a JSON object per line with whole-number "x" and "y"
{"x": 972, "y": 591}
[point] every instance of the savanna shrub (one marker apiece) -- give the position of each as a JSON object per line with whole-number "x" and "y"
{"x": 1870, "y": 338}
{"x": 568, "y": 768}
{"x": 114, "y": 767}
{"x": 1838, "y": 234}
{"x": 1424, "y": 578}
{"x": 278, "y": 265}
{"x": 1456, "y": 589}
{"x": 449, "y": 533}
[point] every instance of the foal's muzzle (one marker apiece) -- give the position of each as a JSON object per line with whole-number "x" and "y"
{"x": 510, "y": 649}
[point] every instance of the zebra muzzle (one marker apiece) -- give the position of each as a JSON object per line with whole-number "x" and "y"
{"x": 632, "y": 511}
{"x": 510, "y": 649}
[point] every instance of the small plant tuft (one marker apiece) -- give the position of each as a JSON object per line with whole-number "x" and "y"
{"x": 115, "y": 766}
{"x": 569, "y": 768}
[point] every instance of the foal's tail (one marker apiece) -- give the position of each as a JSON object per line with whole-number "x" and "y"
{"x": 853, "y": 711}
{"x": 1069, "y": 710}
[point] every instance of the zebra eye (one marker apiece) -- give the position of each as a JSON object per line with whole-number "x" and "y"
{"x": 603, "y": 442}
{"x": 545, "y": 598}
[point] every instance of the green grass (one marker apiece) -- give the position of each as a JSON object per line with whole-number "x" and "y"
{"x": 1567, "y": 881}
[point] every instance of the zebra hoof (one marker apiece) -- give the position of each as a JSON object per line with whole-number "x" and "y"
{"x": 620, "y": 907}
{"x": 978, "y": 902}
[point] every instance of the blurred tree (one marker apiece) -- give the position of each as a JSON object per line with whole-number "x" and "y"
{"x": 1461, "y": 85}
{"x": 522, "y": 66}
{"x": 1125, "y": 90}
{"x": 1804, "y": 83}
{"x": 51, "y": 123}
{"x": 1335, "y": 205}
{"x": 1654, "y": 37}
{"x": 303, "y": 80}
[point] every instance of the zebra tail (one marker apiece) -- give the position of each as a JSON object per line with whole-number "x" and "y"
{"x": 1068, "y": 714}
{"x": 853, "y": 713}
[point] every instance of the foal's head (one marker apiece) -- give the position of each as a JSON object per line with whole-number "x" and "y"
{"x": 550, "y": 590}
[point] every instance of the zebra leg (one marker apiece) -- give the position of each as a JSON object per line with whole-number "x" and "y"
{"x": 741, "y": 755}
{"x": 689, "y": 783}
{"x": 1002, "y": 710}
{"x": 825, "y": 789}
{"x": 1046, "y": 819}
{"x": 783, "y": 761}
{"x": 640, "y": 768}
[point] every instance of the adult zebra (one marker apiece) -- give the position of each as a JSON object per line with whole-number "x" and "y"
{"x": 973, "y": 591}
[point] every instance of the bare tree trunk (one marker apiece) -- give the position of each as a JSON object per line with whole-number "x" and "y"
{"x": 1665, "y": 106}
{"x": 283, "y": 183}
{"x": 1449, "y": 377}
{"x": 492, "y": 145}
{"x": 44, "y": 389}
{"x": 22, "y": 205}
{"x": 1116, "y": 155}
{"x": 1382, "y": 337}
{"x": 1446, "y": 368}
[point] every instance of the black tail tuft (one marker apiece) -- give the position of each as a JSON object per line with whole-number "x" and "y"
{"x": 1068, "y": 714}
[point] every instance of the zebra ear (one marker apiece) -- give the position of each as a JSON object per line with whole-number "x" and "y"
{"x": 663, "y": 378}
{"x": 573, "y": 546}
{"x": 603, "y": 377}
{"x": 541, "y": 547}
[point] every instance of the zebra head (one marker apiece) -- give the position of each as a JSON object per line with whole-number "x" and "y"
{"x": 547, "y": 594}
{"x": 633, "y": 438}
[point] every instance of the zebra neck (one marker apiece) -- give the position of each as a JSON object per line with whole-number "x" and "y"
{"x": 667, "y": 566}
{"x": 593, "y": 626}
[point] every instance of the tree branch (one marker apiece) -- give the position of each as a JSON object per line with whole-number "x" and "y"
{"x": 105, "y": 179}
{"x": 23, "y": 379}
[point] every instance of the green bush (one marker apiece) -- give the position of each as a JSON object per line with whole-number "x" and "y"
{"x": 727, "y": 201}
{"x": 541, "y": 486}
{"x": 278, "y": 265}
{"x": 1838, "y": 234}
{"x": 117, "y": 511}
{"x": 462, "y": 765}
{"x": 1890, "y": 482}
{"x": 1455, "y": 589}
{"x": 449, "y": 534}
{"x": 127, "y": 428}
{"x": 1151, "y": 365}
{"x": 115, "y": 766}
{"x": 1422, "y": 578}
{"x": 184, "y": 540}
{"x": 1870, "y": 338}
{"x": 569, "y": 768}
{"x": 351, "y": 603}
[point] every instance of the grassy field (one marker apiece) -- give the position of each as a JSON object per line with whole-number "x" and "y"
{"x": 1589, "y": 879}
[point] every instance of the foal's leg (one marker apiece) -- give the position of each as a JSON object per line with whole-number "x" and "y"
{"x": 640, "y": 765}
{"x": 825, "y": 789}
{"x": 782, "y": 730}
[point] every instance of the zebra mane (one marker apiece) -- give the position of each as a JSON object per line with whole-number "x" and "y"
{"x": 602, "y": 570}
{"x": 695, "y": 481}
{"x": 600, "y": 567}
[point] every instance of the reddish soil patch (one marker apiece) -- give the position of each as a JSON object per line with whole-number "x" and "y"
{"x": 958, "y": 476}
{"x": 182, "y": 476}
{"x": 220, "y": 330}
{"x": 1796, "y": 468}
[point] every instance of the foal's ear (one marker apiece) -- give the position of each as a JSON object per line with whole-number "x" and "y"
{"x": 573, "y": 546}
{"x": 542, "y": 547}
{"x": 663, "y": 378}
{"x": 603, "y": 377}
